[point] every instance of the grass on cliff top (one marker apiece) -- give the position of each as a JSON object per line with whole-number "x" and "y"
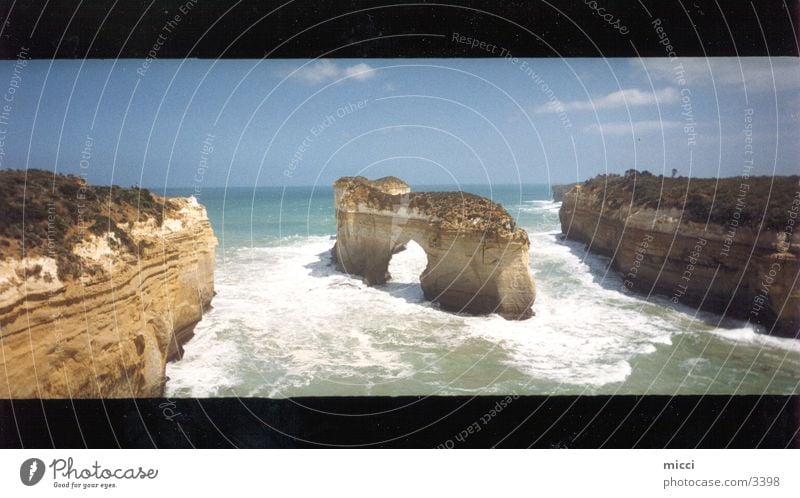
{"x": 380, "y": 183}
{"x": 55, "y": 212}
{"x": 714, "y": 199}
{"x": 464, "y": 211}
{"x": 459, "y": 211}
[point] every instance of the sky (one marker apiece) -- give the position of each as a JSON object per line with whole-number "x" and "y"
{"x": 218, "y": 123}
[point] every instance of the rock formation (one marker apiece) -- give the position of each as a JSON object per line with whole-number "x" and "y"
{"x": 560, "y": 190}
{"x": 478, "y": 259}
{"x": 102, "y": 289}
{"x": 737, "y": 255}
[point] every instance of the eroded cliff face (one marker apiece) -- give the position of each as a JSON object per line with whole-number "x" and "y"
{"x": 477, "y": 257}
{"x": 729, "y": 267}
{"x": 560, "y": 190}
{"x": 101, "y": 317}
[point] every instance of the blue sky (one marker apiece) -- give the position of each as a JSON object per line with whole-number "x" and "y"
{"x": 435, "y": 121}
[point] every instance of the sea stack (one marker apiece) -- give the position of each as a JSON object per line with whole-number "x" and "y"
{"x": 728, "y": 245}
{"x": 478, "y": 259}
{"x": 102, "y": 289}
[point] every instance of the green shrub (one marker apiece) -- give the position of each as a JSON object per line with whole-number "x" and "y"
{"x": 34, "y": 201}
{"x": 717, "y": 200}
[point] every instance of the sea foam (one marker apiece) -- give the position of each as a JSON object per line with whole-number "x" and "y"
{"x": 286, "y": 323}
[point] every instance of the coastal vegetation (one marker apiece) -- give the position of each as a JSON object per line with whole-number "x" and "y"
{"x": 751, "y": 200}
{"x": 83, "y": 301}
{"x": 42, "y": 213}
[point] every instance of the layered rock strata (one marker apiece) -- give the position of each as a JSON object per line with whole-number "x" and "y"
{"x": 733, "y": 253}
{"x": 98, "y": 308}
{"x": 478, "y": 259}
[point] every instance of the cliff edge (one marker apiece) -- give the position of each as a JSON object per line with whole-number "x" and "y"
{"x": 560, "y": 190}
{"x": 478, "y": 259}
{"x": 99, "y": 286}
{"x": 725, "y": 245}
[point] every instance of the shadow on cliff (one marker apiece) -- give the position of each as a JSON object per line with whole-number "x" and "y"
{"x": 607, "y": 277}
{"x": 411, "y": 292}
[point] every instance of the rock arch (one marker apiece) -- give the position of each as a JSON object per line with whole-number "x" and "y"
{"x": 477, "y": 257}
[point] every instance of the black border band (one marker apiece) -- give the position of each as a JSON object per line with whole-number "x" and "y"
{"x": 386, "y": 422}
{"x": 388, "y": 28}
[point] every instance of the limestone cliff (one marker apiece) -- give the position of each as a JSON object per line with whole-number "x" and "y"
{"x": 727, "y": 246}
{"x": 560, "y": 190}
{"x": 477, "y": 257}
{"x": 99, "y": 289}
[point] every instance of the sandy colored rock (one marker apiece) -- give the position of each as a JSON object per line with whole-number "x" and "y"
{"x": 107, "y": 327}
{"x": 560, "y": 190}
{"x": 477, "y": 257}
{"x": 741, "y": 269}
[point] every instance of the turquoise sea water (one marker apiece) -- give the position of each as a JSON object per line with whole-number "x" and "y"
{"x": 284, "y": 323}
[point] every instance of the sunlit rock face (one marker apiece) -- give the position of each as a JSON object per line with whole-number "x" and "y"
{"x": 97, "y": 313}
{"x": 478, "y": 259}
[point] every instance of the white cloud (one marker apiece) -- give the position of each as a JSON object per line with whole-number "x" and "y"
{"x": 360, "y": 71}
{"x": 620, "y": 98}
{"x": 759, "y": 74}
{"x": 325, "y": 70}
{"x": 632, "y": 127}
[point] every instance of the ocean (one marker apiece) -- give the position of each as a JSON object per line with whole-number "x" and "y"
{"x": 285, "y": 323}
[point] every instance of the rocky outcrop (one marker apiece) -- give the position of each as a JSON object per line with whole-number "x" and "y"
{"x": 99, "y": 306}
{"x": 560, "y": 190}
{"x": 737, "y": 255}
{"x": 478, "y": 259}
